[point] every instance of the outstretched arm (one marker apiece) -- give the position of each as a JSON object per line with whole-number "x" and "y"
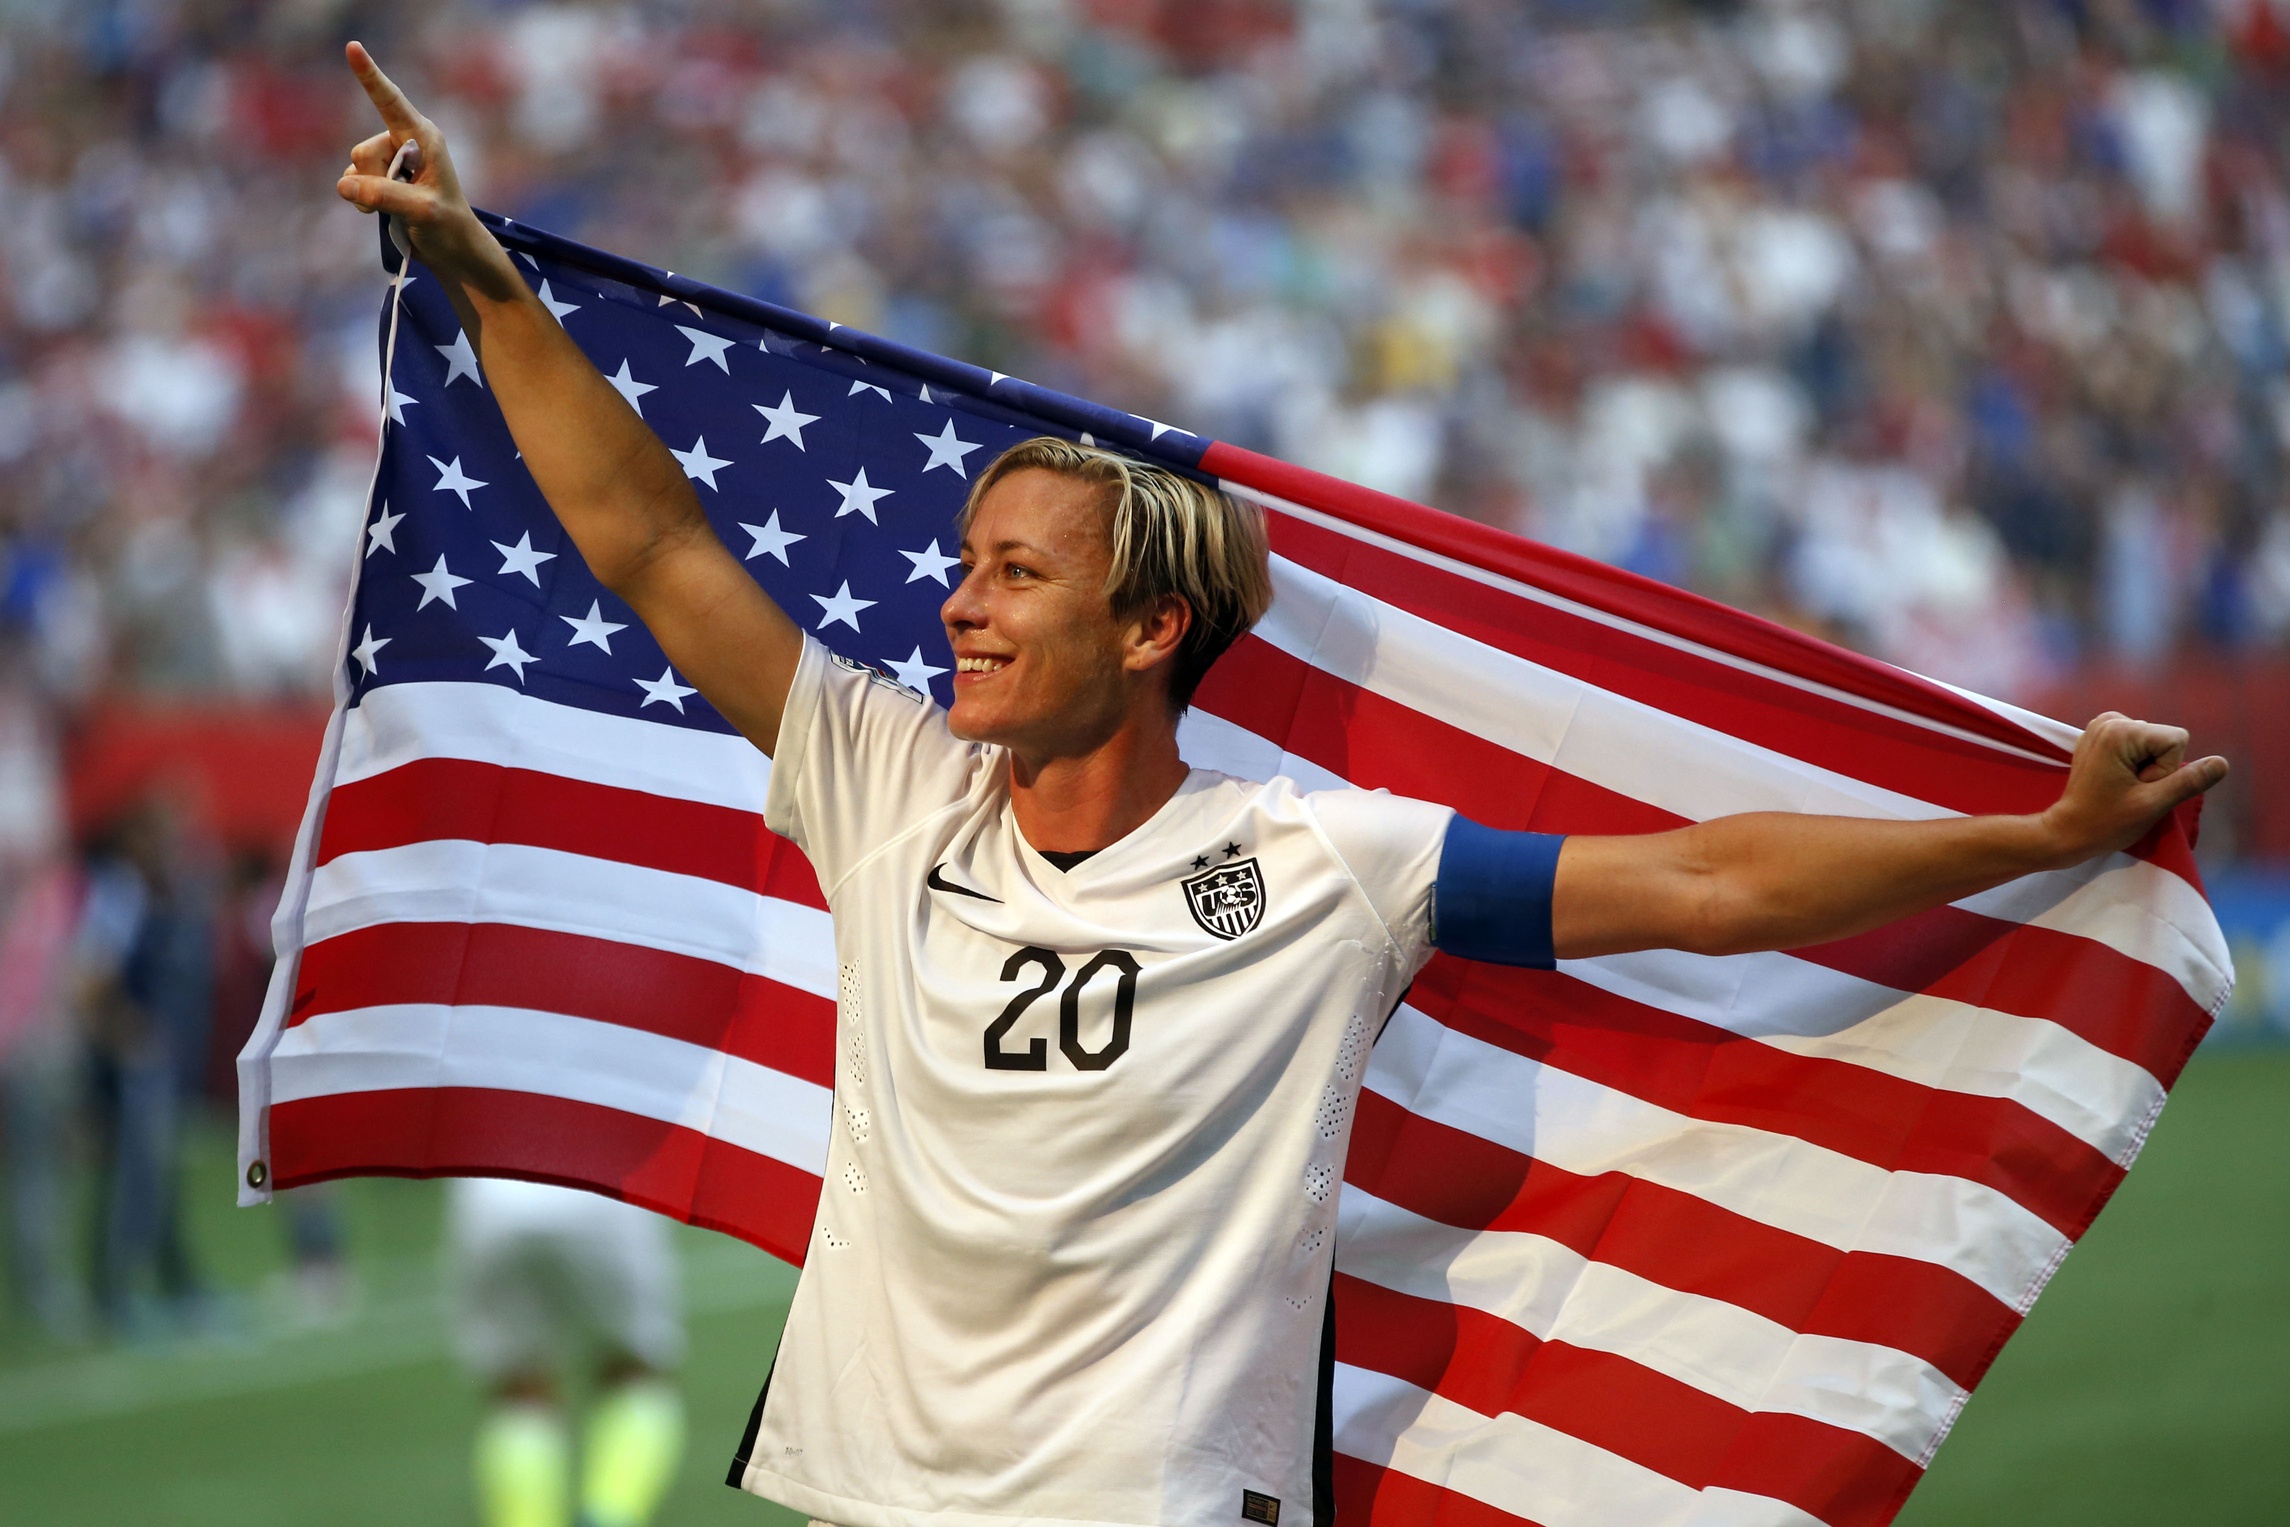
{"x": 1778, "y": 880}
{"x": 617, "y": 490}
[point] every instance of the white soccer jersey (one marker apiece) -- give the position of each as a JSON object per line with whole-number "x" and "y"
{"x": 1072, "y": 1255}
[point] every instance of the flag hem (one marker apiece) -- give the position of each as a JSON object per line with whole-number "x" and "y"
{"x": 286, "y": 923}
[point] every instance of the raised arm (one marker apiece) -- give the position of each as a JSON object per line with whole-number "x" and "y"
{"x": 1778, "y": 880}
{"x": 618, "y": 491}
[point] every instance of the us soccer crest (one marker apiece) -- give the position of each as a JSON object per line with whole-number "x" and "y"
{"x": 1229, "y": 900}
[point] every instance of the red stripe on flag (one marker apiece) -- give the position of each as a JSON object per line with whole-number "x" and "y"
{"x": 1370, "y": 1495}
{"x": 1488, "y": 1365}
{"x": 1706, "y": 1072}
{"x": 503, "y": 965}
{"x": 1782, "y": 1456}
{"x": 433, "y": 798}
{"x": 477, "y": 1132}
{"x": 1679, "y": 1241}
{"x": 2124, "y": 1006}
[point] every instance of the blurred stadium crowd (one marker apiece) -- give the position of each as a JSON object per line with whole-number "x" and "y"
{"x": 1954, "y": 330}
{"x": 1958, "y": 330}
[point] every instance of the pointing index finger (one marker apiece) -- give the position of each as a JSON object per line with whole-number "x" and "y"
{"x": 390, "y": 101}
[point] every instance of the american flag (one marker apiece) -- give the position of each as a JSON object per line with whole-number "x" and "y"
{"x": 1656, "y": 1238}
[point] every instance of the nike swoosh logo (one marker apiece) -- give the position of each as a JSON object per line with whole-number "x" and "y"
{"x": 938, "y": 882}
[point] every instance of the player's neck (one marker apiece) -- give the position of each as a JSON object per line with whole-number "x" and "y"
{"x": 1092, "y": 799}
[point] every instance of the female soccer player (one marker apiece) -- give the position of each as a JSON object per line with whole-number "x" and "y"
{"x": 1103, "y": 1015}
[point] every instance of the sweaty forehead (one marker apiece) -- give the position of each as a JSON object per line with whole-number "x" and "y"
{"x": 1045, "y": 511}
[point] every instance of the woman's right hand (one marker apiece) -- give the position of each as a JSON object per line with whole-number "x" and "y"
{"x": 446, "y": 235}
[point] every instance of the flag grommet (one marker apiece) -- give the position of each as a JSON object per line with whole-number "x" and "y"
{"x": 256, "y": 1174}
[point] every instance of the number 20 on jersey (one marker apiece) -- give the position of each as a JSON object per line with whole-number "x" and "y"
{"x": 1051, "y": 971}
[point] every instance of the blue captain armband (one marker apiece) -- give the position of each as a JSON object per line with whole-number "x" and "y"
{"x": 1493, "y": 898}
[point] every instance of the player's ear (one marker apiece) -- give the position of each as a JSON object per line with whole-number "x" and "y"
{"x": 1157, "y": 630}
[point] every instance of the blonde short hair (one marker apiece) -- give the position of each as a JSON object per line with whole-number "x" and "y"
{"x": 1170, "y": 535}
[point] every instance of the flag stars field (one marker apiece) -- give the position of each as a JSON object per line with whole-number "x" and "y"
{"x": 660, "y": 367}
{"x": 632, "y": 362}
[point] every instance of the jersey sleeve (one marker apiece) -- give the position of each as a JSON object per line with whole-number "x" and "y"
{"x": 1492, "y": 900}
{"x": 860, "y": 759}
{"x": 1390, "y": 844}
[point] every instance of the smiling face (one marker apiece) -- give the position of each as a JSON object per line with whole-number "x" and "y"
{"x": 1042, "y": 664}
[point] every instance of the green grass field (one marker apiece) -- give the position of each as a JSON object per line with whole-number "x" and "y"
{"x": 2152, "y": 1384}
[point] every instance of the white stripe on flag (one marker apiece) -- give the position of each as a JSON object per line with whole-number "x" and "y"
{"x": 486, "y": 723}
{"x": 1813, "y": 1010}
{"x": 454, "y": 880}
{"x": 509, "y": 1049}
{"x": 1523, "y": 1467}
{"x": 1558, "y": 1294}
{"x": 1211, "y": 742}
{"x": 1775, "y": 1179}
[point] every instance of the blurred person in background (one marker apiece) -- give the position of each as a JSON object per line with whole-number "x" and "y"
{"x": 320, "y": 1286}
{"x": 145, "y": 967}
{"x": 39, "y": 909}
{"x": 547, "y": 1282}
